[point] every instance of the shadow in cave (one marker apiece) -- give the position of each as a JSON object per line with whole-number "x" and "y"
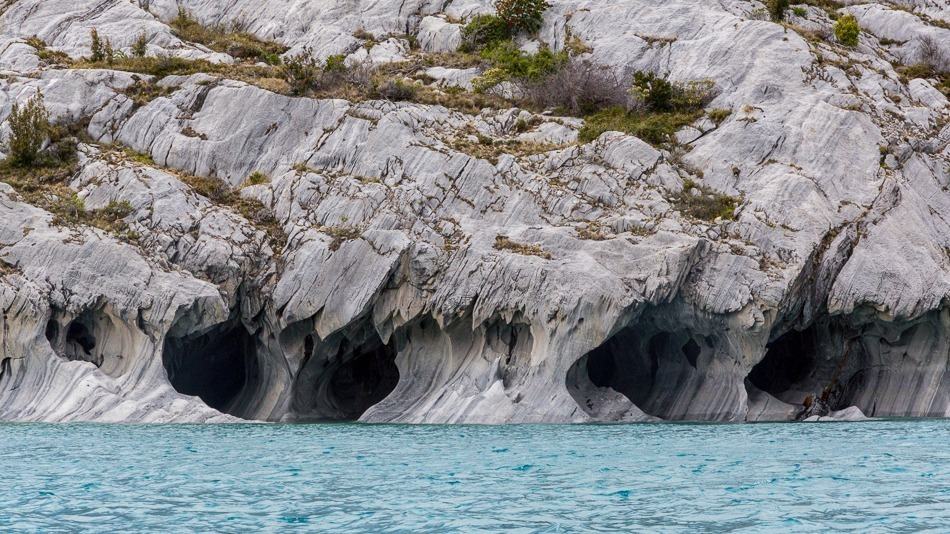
{"x": 217, "y": 366}
{"x": 788, "y": 366}
{"x": 76, "y": 342}
{"x": 343, "y": 377}
{"x": 645, "y": 365}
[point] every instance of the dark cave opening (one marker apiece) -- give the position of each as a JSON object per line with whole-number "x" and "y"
{"x": 788, "y": 362}
{"x": 78, "y": 342}
{"x": 343, "y": 378}
{"x": 308, "y": 345}
{"x": 601, "y": 367}
{"x": 52, "y": 331}
{"x": 215, "y": 366}
{"x": 692, "y": 351}
{"x": 79, "y": 337}
{"x": 364, "y": 380}
{"x": 643, "y": 364}
{"x": 890, "y": 369}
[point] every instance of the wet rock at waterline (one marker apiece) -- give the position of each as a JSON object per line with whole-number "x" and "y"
{"x": 304, "y": 258}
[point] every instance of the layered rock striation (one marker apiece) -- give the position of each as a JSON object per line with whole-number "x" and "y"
{"x": 405, "y": 277}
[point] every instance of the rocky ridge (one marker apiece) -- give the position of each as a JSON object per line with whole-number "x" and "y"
{"x": 417, "y": 276}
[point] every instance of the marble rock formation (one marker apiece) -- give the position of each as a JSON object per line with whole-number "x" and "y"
{"x": 363, "y": 262}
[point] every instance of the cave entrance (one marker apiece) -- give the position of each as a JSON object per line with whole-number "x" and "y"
{"x": 216, "y": 366}
{"x": 343, "y": 377}
{"x": 77, "y": 342}
{"x": 833, "y": 364}
{"x": 645, "y": 365}
{"x": 364, "y": 380}
{"x": 788, "y": 366}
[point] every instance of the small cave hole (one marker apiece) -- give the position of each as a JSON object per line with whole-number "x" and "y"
{"x": 216, "y": 366}
{"x": 691, "y": 350}
{"x": 78, "y": 342}
{"x": 364, "y": 380}
{"x": 79, "y": 337}
{"x": 52, "y": 331}
{"x": 788, "y": 361}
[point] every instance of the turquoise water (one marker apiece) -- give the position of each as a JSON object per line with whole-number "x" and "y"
{"x": 883, "y": 475}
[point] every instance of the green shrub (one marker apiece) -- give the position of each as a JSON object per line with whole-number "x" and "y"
{"x": 777, "y": 9}
{"x": 140, "y": 46}
{"x": 300, "y": 72}
{"x": 489, "y": 79}
{"x": 96, "y": 48}
{"x": 257, "y": 178}
{"x": 658, "y": 94}
{"x": 335, "y": 63}
{"x": 512, "y": 18}
{"x": 521, "y": 15}
{"x": 719, "y": 115}
{"x": 655, "y": 92}
{"x": 29, "y": 129}
{"x": 654, "y": 128}
{"x": 482, "y": 31}
{"x": 101, "y": 49}
{"x": 800, "y": 11}
{"x": 509, "y": 63}
{"x": 847, "y": 30}
{"x": 109, "y": 53}
{"x": 67, "y": 209}
{"x": 662, "y": 109}
{"x": 704, "y": 203}
{"x": 115, "y": 210}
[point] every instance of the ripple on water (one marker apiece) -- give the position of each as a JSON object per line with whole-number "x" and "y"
{"x": 882, "y": 475}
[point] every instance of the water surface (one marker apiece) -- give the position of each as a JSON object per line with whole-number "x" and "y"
{"x": 873, "y": 476}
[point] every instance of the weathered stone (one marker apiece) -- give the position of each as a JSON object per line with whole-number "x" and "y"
{"x": 419, "y": 264}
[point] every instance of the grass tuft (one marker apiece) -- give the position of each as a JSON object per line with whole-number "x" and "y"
{"x": 503, "y": 242}
{"x": 702, "y": 202}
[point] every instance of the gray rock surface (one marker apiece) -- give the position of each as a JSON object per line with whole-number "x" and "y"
{"x": 419, "y": 282}
{"x": 436, "y": 34}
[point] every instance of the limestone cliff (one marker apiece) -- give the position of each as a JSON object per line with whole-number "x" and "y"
{"x": 404, "y": 272}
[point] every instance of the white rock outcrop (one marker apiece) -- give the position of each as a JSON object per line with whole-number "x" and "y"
{"x": 414, "y": 279}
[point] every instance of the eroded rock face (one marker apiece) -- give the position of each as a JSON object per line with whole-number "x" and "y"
{"x": 84, "y": 317}
{"x": 418, "y": 280}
